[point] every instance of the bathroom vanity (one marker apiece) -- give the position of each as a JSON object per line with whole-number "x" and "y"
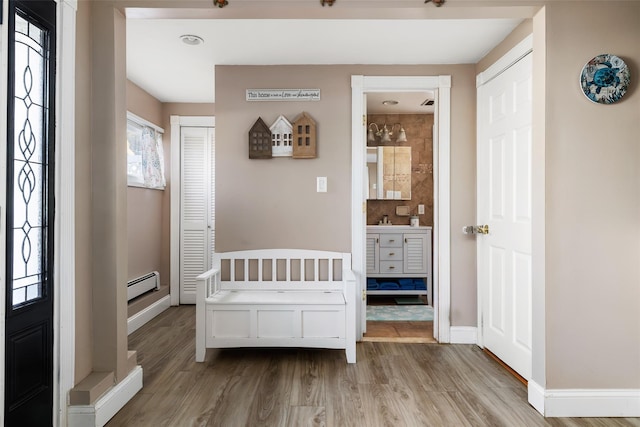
{"x": 399, "y": 252}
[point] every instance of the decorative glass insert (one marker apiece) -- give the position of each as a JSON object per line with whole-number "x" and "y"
{"x": 28, "y": 164}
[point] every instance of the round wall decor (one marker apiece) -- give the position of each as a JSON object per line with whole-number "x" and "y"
{"x": 605, "y": 79}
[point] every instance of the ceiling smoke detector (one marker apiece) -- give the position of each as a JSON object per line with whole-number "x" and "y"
{"x": 191, "y": 39}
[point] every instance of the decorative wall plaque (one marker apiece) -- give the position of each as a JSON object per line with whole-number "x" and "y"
{"x": 304, "y": 137}
{"x": 283, "y": 94}
{"x": 605, "y": 79}
{"x": 260, "y": 140}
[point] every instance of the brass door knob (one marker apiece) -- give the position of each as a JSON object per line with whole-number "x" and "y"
{"x": 482, "y": 229}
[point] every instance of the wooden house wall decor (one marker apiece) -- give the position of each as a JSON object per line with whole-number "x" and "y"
{"x": 304, "y": 137}
{"x": 281, "y": 137}
{"x": 260, "y": 140}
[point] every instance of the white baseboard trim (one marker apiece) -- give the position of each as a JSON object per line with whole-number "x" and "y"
{"x": 536, "y": 396}
{"x": 143, "y": 316}
{"x": 584, "y": 403}
{"x": 108, "y": 405}
{"x": 463, "y": 335}
{"x": 592, "y": 403}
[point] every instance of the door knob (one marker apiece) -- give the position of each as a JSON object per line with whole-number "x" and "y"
{"x": 482, "y": 229}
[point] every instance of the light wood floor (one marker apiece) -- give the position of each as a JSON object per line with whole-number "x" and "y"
{"x": 393, "y": 384}
{"x": 399, "y": 331}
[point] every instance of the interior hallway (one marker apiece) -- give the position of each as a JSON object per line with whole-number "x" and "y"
{"x": 392, "y": 384}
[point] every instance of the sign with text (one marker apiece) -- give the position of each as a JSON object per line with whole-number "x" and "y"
{"x": 283, "y": 94}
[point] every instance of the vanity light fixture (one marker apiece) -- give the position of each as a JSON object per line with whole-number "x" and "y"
{"x": 191, "y": 40}
{"x": 385, "y": 134}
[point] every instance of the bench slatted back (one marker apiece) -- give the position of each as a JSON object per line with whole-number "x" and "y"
{"x": 303, "y": 269}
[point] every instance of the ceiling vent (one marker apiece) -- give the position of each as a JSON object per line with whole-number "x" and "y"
{"x": 427, "y": 102}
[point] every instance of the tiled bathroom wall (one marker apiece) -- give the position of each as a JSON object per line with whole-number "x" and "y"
{"x": 419, "y": 130}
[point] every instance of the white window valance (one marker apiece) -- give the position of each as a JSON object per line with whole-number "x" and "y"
{"x": 145, "y": 156}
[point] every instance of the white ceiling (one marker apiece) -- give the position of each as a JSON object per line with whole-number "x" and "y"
{"x": 160, "y": 63}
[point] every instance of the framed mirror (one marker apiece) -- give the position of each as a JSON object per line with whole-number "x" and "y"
{"x": 389, "y": 173}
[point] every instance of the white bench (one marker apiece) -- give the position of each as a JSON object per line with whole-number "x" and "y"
{"x": 277, "y": 298}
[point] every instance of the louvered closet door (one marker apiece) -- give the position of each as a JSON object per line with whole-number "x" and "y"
{"x": 197, "y": 218}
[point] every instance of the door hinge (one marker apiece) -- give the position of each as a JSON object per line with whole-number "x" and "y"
{"x": 364, "y": 207}
{"x": 364, "y": 295}
{"x": 364, "y": 120}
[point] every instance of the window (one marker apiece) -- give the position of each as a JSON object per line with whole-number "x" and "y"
{"x": 145, "y": 156}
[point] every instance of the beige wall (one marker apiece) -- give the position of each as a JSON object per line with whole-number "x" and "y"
{"x": 592, "y": 203}
{"x": 273, "y": 203}
{"x": 144, "y": 206}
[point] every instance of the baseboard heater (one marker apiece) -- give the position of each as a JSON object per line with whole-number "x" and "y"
{"x": 142, "y": 284}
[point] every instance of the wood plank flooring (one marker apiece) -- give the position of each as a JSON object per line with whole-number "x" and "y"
{"x": 393, "y": 384}
{"x": 399, "y": 331}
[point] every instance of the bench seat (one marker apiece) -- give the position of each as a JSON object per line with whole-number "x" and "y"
{"x": 277, "y": 297}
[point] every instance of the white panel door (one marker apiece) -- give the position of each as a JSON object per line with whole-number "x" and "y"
{"x": 197, "y": 213}
{"x": 504, "y": 204}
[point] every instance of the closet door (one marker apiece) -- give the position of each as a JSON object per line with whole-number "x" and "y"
{"x": 197, "y": 234}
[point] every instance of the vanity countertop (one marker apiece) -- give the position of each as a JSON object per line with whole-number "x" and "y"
{"x": 397, "y": 227}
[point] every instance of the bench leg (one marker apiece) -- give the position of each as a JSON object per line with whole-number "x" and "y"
{"x": 200, "y": 354}
{"x": 351, "y": 353}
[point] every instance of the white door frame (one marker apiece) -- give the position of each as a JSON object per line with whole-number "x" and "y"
{"x": 441, "y": 85}
{"x": 176, "y": 123}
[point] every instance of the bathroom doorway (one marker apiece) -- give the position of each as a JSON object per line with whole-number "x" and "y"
{"x": 399, "y": 216}
{"x": 439, "y": 241}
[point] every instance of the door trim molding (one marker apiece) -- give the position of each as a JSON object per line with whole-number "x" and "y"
{"x": 174, "y": 194}
{"x": 64, "y": 253}
{"x": 441, "y": 177}
{"x": 518, "y": 52}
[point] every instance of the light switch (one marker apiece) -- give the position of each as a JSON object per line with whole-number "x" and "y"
{"x": 321, "y": 184}
{"x": 420, "y": 209}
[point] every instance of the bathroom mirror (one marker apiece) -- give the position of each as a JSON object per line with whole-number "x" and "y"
{"x": 389, "y": 173}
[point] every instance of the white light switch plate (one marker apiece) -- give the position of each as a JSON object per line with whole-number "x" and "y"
{"x": 321, "y": 184}
{"x": 420, "y": 209}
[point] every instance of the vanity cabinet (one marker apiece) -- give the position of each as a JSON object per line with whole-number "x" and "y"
{"x": 399, "y": 252}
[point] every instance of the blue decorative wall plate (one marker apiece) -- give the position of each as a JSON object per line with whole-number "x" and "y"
{"x": 605, "y": 79}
